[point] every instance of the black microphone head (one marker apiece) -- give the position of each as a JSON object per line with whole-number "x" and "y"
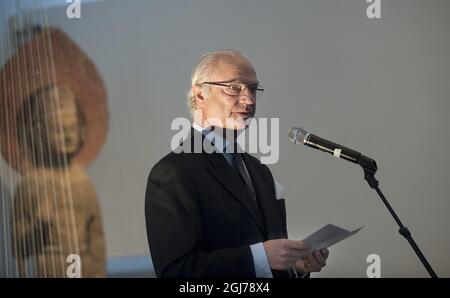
{"x": 297, "y": 135}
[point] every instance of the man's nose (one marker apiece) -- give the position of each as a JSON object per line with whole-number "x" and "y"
{"x": 247, "y": 97}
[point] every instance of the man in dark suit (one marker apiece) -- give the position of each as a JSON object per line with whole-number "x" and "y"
{"x": 220, "y": 214}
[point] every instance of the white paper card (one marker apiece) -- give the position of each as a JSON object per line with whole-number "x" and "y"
{"x": 327, "y": 236}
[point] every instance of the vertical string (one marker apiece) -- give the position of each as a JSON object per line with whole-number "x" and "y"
{"x": 20, "y": 221}
{"x": 27, "y": 24}
{"x": 3, "y": 194}
{"x": 40, "y": 83}
{"x": 31, "y": 196}
{"x": 50, "y": 158}
{"x": 65, "y": 159}
{"x": 13, "y": 159}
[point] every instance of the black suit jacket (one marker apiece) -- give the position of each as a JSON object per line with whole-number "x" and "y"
{"x": 201, "y": 220}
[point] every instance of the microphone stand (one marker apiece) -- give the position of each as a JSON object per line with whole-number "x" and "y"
{"x": 370, "y": 167}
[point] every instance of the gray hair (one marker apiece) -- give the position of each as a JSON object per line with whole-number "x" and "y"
{"x": 203, "y": 69}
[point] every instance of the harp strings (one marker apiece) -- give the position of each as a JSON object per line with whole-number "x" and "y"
{"x": 23, "y": 244}
{"x": 38, "y": 19}
{"x": 6, "y": 265}
{"x": 29, "y": 243}
{"x": 68, "y": 194}
{"x": 68, "y": 189}
{"x": 37, "y": 67}
{"x": 41, "y": 208}
{"x": 24, "y": 195}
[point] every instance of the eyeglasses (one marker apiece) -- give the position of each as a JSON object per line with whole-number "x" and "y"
{"x": 236, "y": 88}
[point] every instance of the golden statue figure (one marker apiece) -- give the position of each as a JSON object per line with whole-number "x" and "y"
{"x": 55, "y": 206}
{"x": 53, "y": 121}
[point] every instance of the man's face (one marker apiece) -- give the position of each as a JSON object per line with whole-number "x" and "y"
{"x": 218, "y": 105}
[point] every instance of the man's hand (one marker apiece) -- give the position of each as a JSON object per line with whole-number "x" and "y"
{"x": 284, "y": 253}
{"x": 313, "y": 262}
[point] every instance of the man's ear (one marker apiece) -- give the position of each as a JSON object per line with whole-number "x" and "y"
{"x": 199, "y": 96}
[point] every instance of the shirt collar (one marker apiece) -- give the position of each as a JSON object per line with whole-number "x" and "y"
{"x": 219, "y": 142}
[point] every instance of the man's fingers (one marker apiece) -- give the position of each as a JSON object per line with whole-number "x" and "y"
{"x": 285, "y": 262}
{"x": 294, "y": 258}
{"x": 325, "y": 252}
{"x": 319, "y": 258}
{"x": 298, "y": 244}
{"x": 311, "y": 260}
{"x": 296, "y": 253}
{"x": 296, "y": 249}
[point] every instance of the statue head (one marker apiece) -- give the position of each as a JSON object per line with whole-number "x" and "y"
{"x": 51, "y": 126}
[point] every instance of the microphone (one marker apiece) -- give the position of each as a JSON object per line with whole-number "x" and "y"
{"x": 297, "y": 135}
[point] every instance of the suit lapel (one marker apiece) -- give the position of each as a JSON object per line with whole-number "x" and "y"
{"x": 265, "y": 194}
{"x": 229, "y": 179}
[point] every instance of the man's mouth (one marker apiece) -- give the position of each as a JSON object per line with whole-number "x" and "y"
{"x": 243, "y": 115}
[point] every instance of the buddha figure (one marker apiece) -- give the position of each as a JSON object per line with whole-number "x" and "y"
{"x": 56, "y": 212}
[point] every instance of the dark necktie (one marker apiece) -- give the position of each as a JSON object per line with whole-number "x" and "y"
{"x": 239, "y": 165}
